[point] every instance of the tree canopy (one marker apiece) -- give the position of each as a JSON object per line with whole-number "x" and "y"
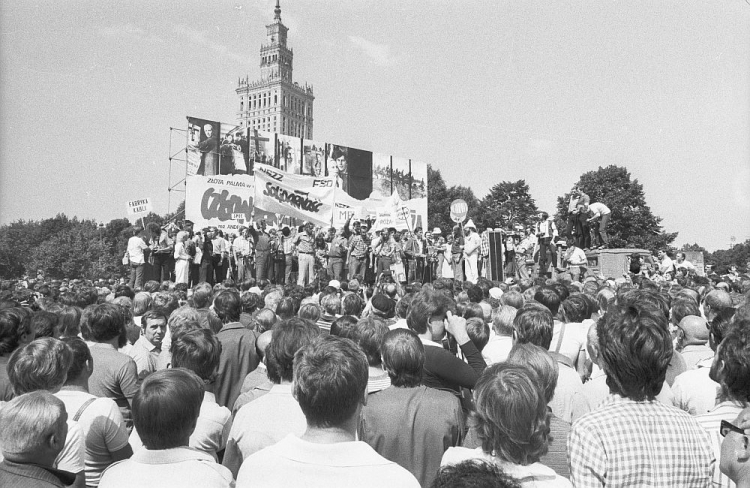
{"x": 632, "y": 223}
{"x": 508, "y": 203}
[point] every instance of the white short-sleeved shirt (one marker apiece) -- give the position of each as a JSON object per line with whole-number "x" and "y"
{"x": 103, "y": 430}
{"x": 574, "y": 339}
{"x": 599, "y": 209}
{"x": 71, "y": 458}
{"x": 296, "y": 462}
{"x": 211, "y": 432}
{"x": 136, "y": 245}
{"x": 179, "y": 467}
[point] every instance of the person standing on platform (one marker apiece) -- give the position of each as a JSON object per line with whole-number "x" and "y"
{"x": 337, "y": 255}
{"x": 601, "y": 213}
{"x": 305, "y": 242}
{"x": 136, "y": 248}
{"x": 207, "y": 255}
{"x": 221, "y": 256}
{"x": 457, "y": 254}
{"x": 262, "y": 250}
{"x": 546, "y": 231}
{"x": 242, "y": 247}
{"x": 181, "y": 257}
{"x": 471, "y": 251}
{"x": 287, "y": 243}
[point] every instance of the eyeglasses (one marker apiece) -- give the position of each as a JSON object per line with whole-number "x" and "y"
{"x": 727, "y": 427}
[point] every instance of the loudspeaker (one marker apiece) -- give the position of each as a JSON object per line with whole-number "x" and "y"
{"x": 495, "y": 265}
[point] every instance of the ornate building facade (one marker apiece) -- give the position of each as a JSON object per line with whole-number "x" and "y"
{"x": 275, "y": 102}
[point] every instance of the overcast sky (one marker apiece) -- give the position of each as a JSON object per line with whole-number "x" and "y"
{"x": 485, "y": 91}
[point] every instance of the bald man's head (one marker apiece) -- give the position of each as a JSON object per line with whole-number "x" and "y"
{"x": 695, "y": 329}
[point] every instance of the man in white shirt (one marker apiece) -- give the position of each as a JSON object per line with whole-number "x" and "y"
{"x": 546, "y": 231}
{"x": 682, "y": 263}
{"x": 136, "y": 246}
{"x": 165, "y": 411}
{"x": 104, "y": 431}
{"x": 472, "y": 248}
{"x": 576, "y": 259}
{"x": 220, "y": 257}
{"x": 666, "y": 265}
{"x": 271, "y": 417}
{"x": 330, "y": 384}
{"x": 242, "y": 248}
{"x": 199, "y": 351}
{"x": 145, "y": 352}
{"x": 600, "y": 212}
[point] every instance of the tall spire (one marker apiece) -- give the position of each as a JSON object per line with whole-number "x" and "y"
{"x": 277, "y": 11}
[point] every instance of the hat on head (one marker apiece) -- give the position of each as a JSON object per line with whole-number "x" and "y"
{"x": 470, "y": 225}
{"x": 496, "y": 293}
{"x": 437, "y": 231}
{"x": 335, "y": 283}
{"x": 255, "y": 290}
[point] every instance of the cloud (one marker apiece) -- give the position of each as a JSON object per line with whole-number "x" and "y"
{"x": 379, "y": 54}
{"x": 200, "y": 38}
{"x": 128, "y": 31}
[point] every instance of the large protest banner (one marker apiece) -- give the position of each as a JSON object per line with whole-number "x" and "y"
{"x": 297, "y": 196}
{"x": 225, "y": 202}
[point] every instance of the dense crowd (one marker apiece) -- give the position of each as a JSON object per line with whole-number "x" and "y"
{"x": 363, "y": 373}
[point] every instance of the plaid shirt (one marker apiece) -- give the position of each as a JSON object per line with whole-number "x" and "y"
{"x": 358, "y": 247}
{"x": 629, "y": 443}
{"x": 485, "y": 246}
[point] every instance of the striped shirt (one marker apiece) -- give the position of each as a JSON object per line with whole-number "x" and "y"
{"x": 629, "y": 443}
{"x": 711, "y": 421}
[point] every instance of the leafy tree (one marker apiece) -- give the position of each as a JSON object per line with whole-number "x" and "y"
{"x": 508, "y": 203}
{"x": 76, "y": 251}
{"x": 722, "y": 260}
{"x": 439, "y": 198}
{"x": 632, "y": 224}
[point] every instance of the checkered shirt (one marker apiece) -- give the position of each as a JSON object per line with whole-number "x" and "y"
{"x": 358, "y": 247}
{"x": 485, "y": 246}
{"x": 629, "y": 443}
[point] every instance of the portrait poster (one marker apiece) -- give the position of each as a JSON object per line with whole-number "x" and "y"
{"x": 203, "y": 139}
{"x": 297, "y": 196}
{"x": 351, "y": 169}
{"x": 224, "y": 202}
{"x": 314, "y": 156}
{"x": 233, "y": 150}
{"x": 381, "y": 174}
{"x": 289, "y": 150}
{"x": 401, "y": 177}
{"x": 262, "y": 148}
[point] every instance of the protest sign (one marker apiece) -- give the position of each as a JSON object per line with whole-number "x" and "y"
{"x": 298, "y": 196}
{"x": 224, "y": 202}
{"x": 137, "y": 208}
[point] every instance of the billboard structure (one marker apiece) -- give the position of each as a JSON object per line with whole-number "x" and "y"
{"x": 363, "y": 180}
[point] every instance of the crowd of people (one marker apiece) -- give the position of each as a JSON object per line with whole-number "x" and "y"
{"x": 362, "y": 373}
